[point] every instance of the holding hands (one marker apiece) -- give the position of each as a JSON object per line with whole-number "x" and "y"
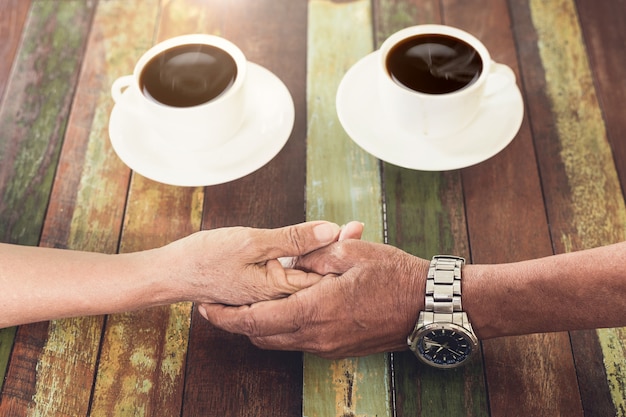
{"x": 366, "y": 301}
{"x": 312, "y": 287}
{"x": 236, "y": 265}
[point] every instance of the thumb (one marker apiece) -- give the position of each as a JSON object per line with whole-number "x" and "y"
{"x": 300, "y": 239}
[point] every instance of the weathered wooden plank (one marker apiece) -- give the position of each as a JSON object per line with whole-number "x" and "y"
{"x": 425, "y": 216}
{"x": 604, "y": 31}
{"x": 593, "y": 388}
{"x": 13, "y": 15}
{"x": 506, "y": 222}
{"x": 142, "y": 359}
{"x": 85, "y": 212}
{"x": 32, "y": 127}
{"x": 585, "y": 184}
{"x": 343, "y": 183}
{"x": 226, "y": 375}
{"x": 33, "y": 124}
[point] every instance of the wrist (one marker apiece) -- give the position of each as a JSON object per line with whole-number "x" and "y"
{"x": 478, "y": 302}
{"x": 157, "y": 281}
{"x": 415, "y": 275}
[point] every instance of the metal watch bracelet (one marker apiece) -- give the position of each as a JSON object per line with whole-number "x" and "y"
{"x": 443, "y": 292}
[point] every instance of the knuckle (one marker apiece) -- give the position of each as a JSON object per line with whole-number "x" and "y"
{"x": 249, "y": 325}
{"x": 296, "y": 239}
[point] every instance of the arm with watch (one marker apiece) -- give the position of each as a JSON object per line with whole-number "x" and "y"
{"x": 375, "y": 298}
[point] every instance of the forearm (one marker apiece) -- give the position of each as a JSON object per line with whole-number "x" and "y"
{"x": 41, "y": 283}
{"x": 578, "y": 290}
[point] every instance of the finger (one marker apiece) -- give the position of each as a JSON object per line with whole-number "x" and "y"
{"x": 265, "y": 318}
{"x": 284, "y": 281}
{"x": 300, "y": 280}
{"x": 300, "y": 239}
{"x": 291, "y": 342}
{"x": 339, "y": 257}
{"x": 352, "y": 230}
{"x": 332, "y": 259}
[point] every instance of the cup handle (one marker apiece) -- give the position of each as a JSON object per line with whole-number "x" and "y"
{"x": 119, "y": 86}
{"x": 500, "y": 77}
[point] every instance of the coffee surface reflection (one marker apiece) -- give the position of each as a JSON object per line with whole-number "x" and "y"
{"x": 188, "y": 75}
{"x": 434, "y": 64}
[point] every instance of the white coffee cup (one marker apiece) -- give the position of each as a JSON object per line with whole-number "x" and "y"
{"x": 430, "y": 114}
{"x": 210, "y": 112}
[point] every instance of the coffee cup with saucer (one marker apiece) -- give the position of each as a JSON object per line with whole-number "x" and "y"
{"x": 431, "y": 99}
{"x": 195, "y": 112}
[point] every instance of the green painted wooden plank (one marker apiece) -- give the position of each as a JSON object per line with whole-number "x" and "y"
{"x": 343, "y": 183}
{"x": 598, "y": 212}
{"x": 32, "y": 122}
{"x": 13, "y": 14}
{"x": 7, "y": 336}
{"x": 425, "y": 216}
{"x": 143, "y": 354}
{"x": 85, "y": 212}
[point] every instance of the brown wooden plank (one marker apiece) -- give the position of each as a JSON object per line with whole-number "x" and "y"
{"x": 13, "y": 15}
{"x": 85, "y": 212}
{"x": 506, "y": 222}
{"x": 595, "y": 394}
{"x": 32, "y": 127}
{"x": 567, "y": 124}
{"x": 227, "y": 376}
{"x": 142, "y": 358}
{"x": 604, "y": 29}
{"x": 425, "y": 216}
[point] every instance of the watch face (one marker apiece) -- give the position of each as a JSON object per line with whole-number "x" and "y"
{"x": 445, "y": 346}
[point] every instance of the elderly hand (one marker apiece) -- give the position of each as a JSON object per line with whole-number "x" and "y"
{"x": 366, "y": 302}
{"x": 235, "y": 265}
{"x": 240, "y": 265}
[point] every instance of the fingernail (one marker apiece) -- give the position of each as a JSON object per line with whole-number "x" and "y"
{"x": 202, "y": 311}
{"x": 326, "y": 232}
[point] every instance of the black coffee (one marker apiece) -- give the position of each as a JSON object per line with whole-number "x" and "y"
{"x": 188, "y": 75}
{"x": 434, "y": 64}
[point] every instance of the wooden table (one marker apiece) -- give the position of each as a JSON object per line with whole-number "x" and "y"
{"x": 558, "y": 187}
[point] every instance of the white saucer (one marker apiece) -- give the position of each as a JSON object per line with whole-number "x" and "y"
{"x": 358, "y": 108}
{"x": 267, "y": 125}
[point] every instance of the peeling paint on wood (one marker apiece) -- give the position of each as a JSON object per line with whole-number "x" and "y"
{"x": 32, "y": 125}
{"x": 343, "y": 184}
{"x": 599, "y": 214}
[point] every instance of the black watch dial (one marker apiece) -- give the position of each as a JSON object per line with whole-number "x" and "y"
{"x": 445, "y": 348}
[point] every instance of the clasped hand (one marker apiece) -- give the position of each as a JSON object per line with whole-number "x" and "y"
{"x": 345, "y": 312}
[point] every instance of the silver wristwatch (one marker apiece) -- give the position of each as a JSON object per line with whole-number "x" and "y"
{"x": 443, "y": 336}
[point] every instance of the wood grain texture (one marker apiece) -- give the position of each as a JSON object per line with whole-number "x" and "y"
{"x": 593, "y": 388}
{"x": 33, "y": 121}
{"x": 142, "y": 358}
{"x": 226, "y": 375}
{"x": 85, "y": 212}
{"x": 604, "y": 31}
{"x": 343, "y": 183}
{"x": 33, "y": 125}
{"x": 425, "y": 216}
{"x": 13, "y": 15}
{"x": 558, "y": 187}
{"x": 506, "y": 222}
{"x": 597, "y": 215}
